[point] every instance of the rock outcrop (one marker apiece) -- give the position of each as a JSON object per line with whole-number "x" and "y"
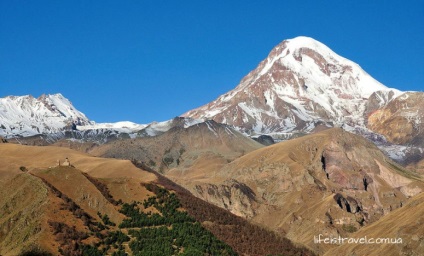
{"x": 401, "y": 121}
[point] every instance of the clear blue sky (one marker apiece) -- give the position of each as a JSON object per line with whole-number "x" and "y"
{"x": 153, "y": 60}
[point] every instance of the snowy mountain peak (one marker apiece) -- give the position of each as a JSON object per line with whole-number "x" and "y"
{"x": 301, "y": 83}
{"x": 26, "y": 115}
{"x": 315, "y": 63}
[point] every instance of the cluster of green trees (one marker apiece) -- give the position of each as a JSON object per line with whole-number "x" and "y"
{"x": 138, "y": 219}
{"x": 116, "y": 237}
{"x": 166, "y": 203}
{"x": 106, "y": 220}
{"x": 187, "y": 238}
{"x": 89, "y": 250}
{"x": 93, "y": 250}
{"x": 169, "y": 232}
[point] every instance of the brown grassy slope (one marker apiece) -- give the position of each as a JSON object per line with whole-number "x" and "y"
{"x": 295, "y": 185}
{"x": 23, "y": 202}
{"x": 27, "y": 205}
{"x": 75, "y": 185}
{"x": 418, "y": 167}
{"x": 61, "y": 209}
{"x": 13, "y": 156}
{"x": 74, "y": 201}
{"x": 406, "y": 223}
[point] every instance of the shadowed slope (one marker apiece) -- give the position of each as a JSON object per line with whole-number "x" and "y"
{"x": 183, "y": 147}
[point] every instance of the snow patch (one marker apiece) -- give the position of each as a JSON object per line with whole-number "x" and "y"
{"x": 211, "y": 128}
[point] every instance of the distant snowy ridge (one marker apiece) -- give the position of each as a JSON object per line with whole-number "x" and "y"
{"x": 152, "y": 129}
{"x": 53, "y": 114}
{"x": 123, "y": 126}
{"x": 26, "y": 115}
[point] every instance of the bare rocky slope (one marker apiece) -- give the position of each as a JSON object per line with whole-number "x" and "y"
{"x": 182, "y": 147}
{"x": 405, "y": 223}
{"x": 190, "y": 153}
{"x": 401, "y": 123}
{"x": 401, "y": 120}
{"x": 332, "y": 182}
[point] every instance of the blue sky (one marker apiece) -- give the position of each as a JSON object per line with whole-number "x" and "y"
{"x": 153, "y": 60}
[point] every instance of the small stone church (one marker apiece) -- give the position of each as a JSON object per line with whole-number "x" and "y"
{"x": 66, "y": 163}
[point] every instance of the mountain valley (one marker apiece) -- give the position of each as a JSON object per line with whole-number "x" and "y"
{"x": 308, "y": 143}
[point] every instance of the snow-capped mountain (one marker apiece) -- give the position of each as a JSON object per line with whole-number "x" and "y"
{"x": 300, "y": 85}
{"x": 54, "y": 116}
{"x": 26, "y": 115}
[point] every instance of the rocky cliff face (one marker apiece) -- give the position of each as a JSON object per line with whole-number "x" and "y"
{"x": 232, "y": 195}
{"x": 401, "y": 120}
{"x": 405, "y": 223}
